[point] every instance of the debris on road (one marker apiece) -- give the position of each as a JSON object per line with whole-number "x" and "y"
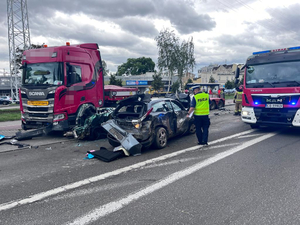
{"x": 128, "y": 142}
{"x": 25, "y": 135}
{"x": 106, "y": 155}
{"x": 90, "y": 128}
{"x": 15, "y": 142}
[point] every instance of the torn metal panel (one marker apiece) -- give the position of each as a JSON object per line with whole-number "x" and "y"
{"x": 126, "y": 139}
{"x": 24, "y": 135}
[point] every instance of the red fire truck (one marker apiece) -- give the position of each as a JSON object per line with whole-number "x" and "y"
{"x": 272, "y": 88}
{"x": 57, "y": 82}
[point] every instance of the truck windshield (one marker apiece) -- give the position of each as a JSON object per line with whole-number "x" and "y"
{"x": 43, "y": 74}
{"x": 284, "y": 74}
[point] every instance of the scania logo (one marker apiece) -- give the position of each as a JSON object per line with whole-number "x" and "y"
{"x": 36, "y": 93}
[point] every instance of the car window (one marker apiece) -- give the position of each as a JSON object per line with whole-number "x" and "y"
{"x": 160, "y": 107}
{"x": 176, "y": 106}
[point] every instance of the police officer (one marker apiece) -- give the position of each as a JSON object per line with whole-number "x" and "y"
{"x": 200, "y": 106}
{"x": 237, "y": 99}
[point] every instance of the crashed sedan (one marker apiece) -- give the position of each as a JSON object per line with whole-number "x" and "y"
{"x": 151, "y": 121}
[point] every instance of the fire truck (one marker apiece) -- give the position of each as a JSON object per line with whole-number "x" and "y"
{"x": 59, "y": 81}
{"x": 271, "y": 88}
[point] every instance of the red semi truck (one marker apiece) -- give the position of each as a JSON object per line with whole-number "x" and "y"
{"x": 57, "y": 82}
{"x": 272, "y": 88}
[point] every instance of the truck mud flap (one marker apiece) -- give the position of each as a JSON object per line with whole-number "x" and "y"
{"x": 127, "y": 141}
{"x": 33, "y": 133}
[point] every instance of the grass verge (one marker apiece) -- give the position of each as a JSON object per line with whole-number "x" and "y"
{"x": 10, "y": 114}
{"x": 229, "y": 96}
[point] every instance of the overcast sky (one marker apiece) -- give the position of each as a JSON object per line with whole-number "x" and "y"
{"x": 224, "y": 31}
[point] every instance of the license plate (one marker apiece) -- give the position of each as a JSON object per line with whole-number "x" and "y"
{"x": 274, "y": 105}
{"x": 37, "y": 103}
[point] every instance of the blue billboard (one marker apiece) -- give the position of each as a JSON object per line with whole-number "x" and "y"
{"x": 136, "y": 82}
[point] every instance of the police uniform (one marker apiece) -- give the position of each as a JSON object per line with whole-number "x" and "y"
{"x": 200, "y": 103}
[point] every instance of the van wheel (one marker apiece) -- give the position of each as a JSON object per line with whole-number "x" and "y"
{"x": 160, "y": 139}
{"x": 213, "y": 105}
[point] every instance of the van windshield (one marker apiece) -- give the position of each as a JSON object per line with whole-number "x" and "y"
{"x": 43, "y": 74}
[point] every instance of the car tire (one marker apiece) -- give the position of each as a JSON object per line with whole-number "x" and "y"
{"x": 113, "y": 142}
{"x": 192, "y": 129}
{"x": 220, "y": 104}
{"x": 4, "y": 103}
{"x": 160, "y": 138}
{"x": 213, "y": 105}
{"x": 254, "y": 126}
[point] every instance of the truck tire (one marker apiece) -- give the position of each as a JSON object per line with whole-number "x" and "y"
{"x": 160, "y": 138}
{"x": 220, "y": 104}
{"x": 85, "y": 111}
{"x": 212, "y": 105}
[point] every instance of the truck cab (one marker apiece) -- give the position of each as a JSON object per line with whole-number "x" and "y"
{"x": 57, "y": 81}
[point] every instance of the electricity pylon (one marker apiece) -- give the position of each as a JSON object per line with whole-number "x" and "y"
{"x": 18, "y": 38}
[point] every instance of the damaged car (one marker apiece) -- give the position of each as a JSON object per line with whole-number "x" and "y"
{"x": 151, "y": 121}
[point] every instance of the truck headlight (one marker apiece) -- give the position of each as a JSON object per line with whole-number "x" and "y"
{"x": 59, "y": 117}
{"x": 245, "y": 113}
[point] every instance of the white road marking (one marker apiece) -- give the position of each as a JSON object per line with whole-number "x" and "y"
{"x": 251, "y": 135}
{"x": 121, "y": 203}
{"x": 55, "y": 191}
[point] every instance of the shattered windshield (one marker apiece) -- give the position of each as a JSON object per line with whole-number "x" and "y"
{"x": 43, "y": 74}
{"x": 285, "y": 74}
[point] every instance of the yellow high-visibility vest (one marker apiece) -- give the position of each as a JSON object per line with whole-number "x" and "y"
{"x": 202, "y": 104}
{"x": 239, "y": 95}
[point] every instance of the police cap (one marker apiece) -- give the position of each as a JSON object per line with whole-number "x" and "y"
{"x": 195, "y": 87}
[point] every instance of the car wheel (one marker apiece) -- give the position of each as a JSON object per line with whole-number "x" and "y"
{"x": 220, "y": 104}
{"x": 113, "y": 142}
{"x": 4, "y": 103}
{"x": 192, "y": 129}
{"x": 161, "y": 139}
{"x": 254, "y": 126}
{"x": 213, "y": 105}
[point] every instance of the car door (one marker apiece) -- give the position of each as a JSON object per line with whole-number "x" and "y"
{"x": 165, "y": 116}
{"x": 182, "y": 122}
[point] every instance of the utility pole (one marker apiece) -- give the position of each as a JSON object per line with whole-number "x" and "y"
{"x": 18, "y": 38}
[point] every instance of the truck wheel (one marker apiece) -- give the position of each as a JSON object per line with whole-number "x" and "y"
{"x": 160, "y": 138}
{"x": 254, "y": 126}
{"x": 220, "y": 104}
{"x": 213, "y": 105}
{"x": 85, "y": 111}
{"x": 113, "y": 143}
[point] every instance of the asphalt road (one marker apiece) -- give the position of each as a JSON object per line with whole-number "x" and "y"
{"x": 244, "y": 176}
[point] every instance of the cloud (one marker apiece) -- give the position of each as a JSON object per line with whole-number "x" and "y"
{"x": 138, "y": 26}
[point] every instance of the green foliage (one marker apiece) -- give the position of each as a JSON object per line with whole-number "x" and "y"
{"x": 157, "y": 83}
{"x": 211, "y": 80}
{"x": 114, "y": 81}
{"x": 175, "y": 87}
{"x": 136, "y": 66}
{"x": 189, "y": 81}
{"x": 173, "y": 55}
{"x": 229, "y": 84}
{"x": 105, "y": 70}
{"x": 10, "y": 115}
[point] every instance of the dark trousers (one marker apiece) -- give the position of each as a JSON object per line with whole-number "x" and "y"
{"x": 202, "y": 124}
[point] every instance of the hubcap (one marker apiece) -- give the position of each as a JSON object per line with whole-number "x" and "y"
{"x": 162, "y": 137}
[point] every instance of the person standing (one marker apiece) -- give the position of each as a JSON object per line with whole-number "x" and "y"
{"x": 200, "y": 107}
{"x": 237, "y": 99}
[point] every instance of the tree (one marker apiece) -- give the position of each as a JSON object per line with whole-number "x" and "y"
{"x": 175, "y": 87}
{"x": 211, "y": 79}
{"x": 114, "y": 81}
{"x": 174, "y": 56}
{"x": 105, "y": 70}
{"x": 166, "y": 42}
{"x": 157, "y": 83}
{"x": 189, "y": 81}
{"x": 136, "y": 66}
{"x": 229, "y": 84}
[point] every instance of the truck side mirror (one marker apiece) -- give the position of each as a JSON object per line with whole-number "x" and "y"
{"x": 236, "y": 81}
{"x": 237, "y": 72}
